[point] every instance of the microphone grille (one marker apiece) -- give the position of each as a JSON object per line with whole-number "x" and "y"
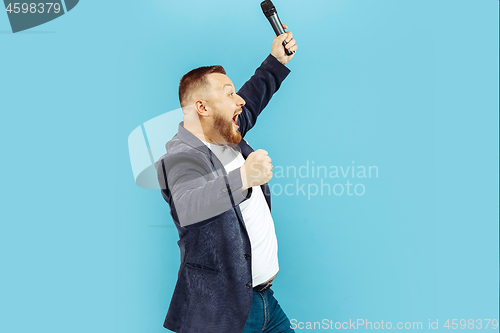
{"x": 268, "y": 7}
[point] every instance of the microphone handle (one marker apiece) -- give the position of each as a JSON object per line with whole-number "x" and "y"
{"x": 278, "y": 30}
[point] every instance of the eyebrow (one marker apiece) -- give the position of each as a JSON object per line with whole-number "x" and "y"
{"x": 227, "y": 84}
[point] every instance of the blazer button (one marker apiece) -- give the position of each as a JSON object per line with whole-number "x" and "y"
{"x": 247, "y": 256}
{"x": 249, "y": 284}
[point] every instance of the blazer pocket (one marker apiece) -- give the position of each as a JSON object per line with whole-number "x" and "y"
{"x": 201, "y": 267}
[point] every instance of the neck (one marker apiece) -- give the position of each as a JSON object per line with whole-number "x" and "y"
{"x": 200, "y": 129}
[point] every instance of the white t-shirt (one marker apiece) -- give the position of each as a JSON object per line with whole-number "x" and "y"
{"x": 257, "y": 218}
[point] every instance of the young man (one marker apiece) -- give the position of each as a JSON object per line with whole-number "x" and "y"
{"x": 216, "y": 186}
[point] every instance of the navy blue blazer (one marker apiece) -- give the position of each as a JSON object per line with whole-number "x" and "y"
{"x": 213, "y": 293}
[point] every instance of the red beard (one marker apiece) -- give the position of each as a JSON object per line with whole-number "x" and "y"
{"x": 226, "y": 130}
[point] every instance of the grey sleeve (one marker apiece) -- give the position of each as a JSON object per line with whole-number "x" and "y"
{"x": 194, "y": 196}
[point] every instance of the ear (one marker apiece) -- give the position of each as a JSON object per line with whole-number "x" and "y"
{"x": 201, "y": 108}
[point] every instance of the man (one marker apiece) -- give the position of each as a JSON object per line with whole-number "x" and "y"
{"x": 216, "y": 186}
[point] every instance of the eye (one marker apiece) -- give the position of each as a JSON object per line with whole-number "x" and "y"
{"x": 231, "y": 94}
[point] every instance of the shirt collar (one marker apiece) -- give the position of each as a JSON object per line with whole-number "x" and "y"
{"x": 196, "y": 143}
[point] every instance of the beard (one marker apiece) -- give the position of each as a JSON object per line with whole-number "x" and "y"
{"x": 225, "y": 128}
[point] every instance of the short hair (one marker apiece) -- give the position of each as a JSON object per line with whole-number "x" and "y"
{"x": 196, "y": 79}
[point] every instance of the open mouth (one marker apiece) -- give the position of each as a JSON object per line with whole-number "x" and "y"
{"x": 235, "y": 120}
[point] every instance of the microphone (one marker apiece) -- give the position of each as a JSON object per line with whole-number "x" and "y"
{"x": 271, "y": 14}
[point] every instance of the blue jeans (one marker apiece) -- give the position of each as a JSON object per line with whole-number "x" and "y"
{"x": 266, "y": 315}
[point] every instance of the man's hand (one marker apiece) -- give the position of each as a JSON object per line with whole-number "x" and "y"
{"x": 257, "y": 169}
{"x": 278, "y": 51}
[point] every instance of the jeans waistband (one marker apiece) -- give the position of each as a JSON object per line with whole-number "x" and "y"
{"x": 263, "y": 286}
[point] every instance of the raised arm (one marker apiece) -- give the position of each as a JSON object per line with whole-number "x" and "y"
{"x": 259, "y": 89}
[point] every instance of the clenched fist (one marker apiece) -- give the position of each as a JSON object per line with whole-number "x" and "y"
{"x": 257, "y": 169}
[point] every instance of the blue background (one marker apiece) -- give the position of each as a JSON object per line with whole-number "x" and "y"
{"x": 408, "y": 86}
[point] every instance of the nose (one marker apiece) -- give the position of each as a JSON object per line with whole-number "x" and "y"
{"x": 242, "y": 102}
